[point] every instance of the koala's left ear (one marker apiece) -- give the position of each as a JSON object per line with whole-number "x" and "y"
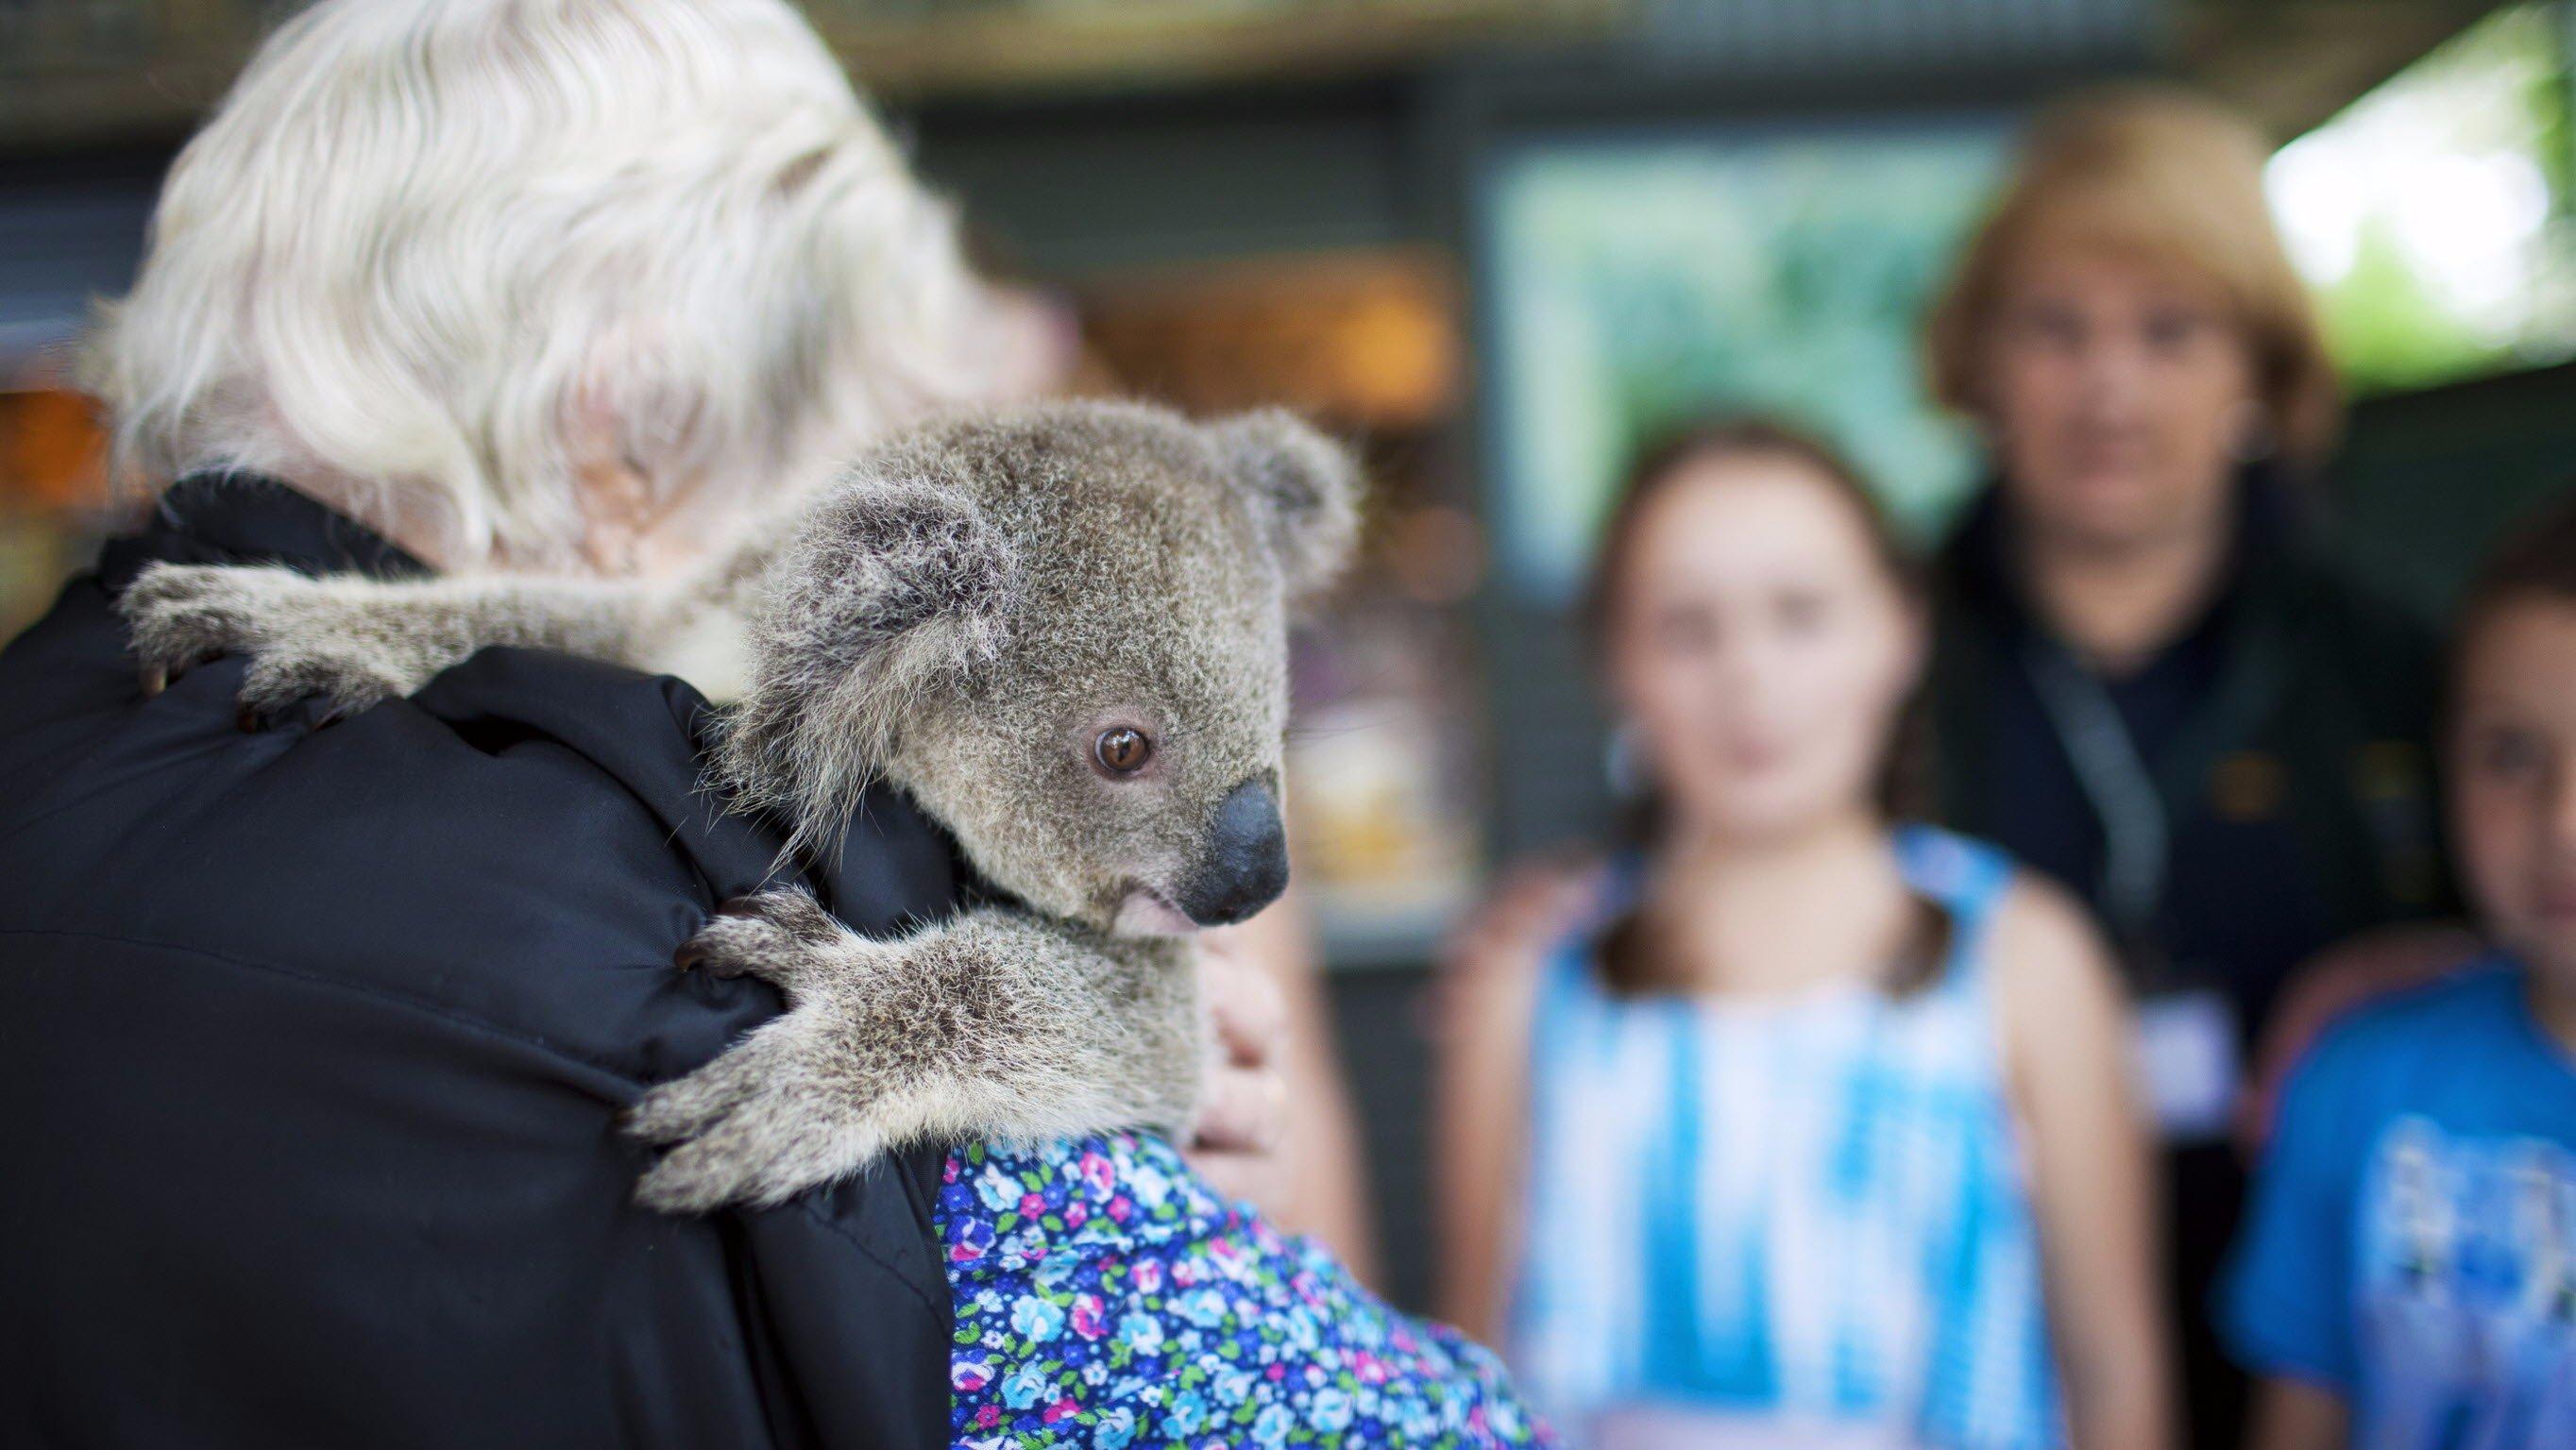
{"x": 1303, "y": 486}
{"x": 894, "y": 583}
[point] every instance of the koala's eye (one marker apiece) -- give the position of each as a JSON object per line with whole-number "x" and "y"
{"x": 1123, "y": 751}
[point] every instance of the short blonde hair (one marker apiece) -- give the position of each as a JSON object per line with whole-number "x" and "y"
{"x": 428, "y": 250}
{"x": 2158, "y": 173}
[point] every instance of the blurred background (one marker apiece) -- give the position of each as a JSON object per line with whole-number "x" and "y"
{"x": 1499, "y": 241}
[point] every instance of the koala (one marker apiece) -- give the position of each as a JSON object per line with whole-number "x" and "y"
{"x": 1062, "y": 630}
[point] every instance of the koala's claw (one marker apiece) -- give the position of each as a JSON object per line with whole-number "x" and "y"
{"x": 781, "y": 937}
{"x": 792, "y": 911}
{"x": 776, "y": 1114}
{"x": 680, "y": 1110}
{"x": 181, "y": 615}
{"x": 758, "y": 1125}
{"x": 346, "y": 684}
{"x": 751, "y": 1157}
{"x": 679, "y": 1184}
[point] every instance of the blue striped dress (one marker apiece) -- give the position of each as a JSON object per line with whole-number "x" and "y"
{"x": 1807, "y": 1216}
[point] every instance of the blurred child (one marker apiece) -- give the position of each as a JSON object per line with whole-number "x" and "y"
{"x": 2407, "y": 1276}
{"x": 1796, "y": 1125}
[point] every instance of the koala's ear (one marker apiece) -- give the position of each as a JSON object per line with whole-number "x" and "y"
{"x": 891, "y": 587}
{"x": 1303, "y": 486}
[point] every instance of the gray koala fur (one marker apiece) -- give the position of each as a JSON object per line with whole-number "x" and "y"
{"x": 962, "y": 611}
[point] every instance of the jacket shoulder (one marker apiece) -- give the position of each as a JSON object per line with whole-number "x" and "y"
{"x": 525, "y": 841}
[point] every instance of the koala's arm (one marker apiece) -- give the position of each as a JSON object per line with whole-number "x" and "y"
{"x": 355, "y": 641}
{"x": 998, "y": 1025}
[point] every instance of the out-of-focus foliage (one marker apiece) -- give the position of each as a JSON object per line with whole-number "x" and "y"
{"x": 2432, "y": 214}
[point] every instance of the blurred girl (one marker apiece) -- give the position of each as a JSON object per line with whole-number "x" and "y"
{"x": 1794, "y": 1124}
{"x": 2408, "y": 1272}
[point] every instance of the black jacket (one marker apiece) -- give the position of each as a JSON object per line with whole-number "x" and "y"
{"x": 313, "y": 1043}
{"x": 2287, "y": 734}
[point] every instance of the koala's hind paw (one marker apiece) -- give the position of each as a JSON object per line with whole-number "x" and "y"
{"x": 759, "y": 1125}
{"x": 181, "y": 615}
{"x": 782, "y": 937}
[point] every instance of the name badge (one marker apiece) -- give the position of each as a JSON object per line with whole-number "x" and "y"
{"x": 2188, "y": 1072}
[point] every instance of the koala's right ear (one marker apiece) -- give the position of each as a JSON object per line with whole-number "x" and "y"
{"x": 1304, "y": 488}
{"x": 892, "y": 586}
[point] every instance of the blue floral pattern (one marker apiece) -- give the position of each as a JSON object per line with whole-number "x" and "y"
{"x": 1105, "y": 1296}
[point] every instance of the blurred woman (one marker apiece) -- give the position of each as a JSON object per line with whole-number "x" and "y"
{"x": 322, "y": 1032}
{"x": 1795, "y": 1123}
{"x": 2148, "y": 685}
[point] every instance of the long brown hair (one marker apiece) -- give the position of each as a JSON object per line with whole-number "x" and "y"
{"x": 1635, "y": 954}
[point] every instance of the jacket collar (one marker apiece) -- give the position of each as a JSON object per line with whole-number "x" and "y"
{"x": 249, "y": 518}
{"x": 1979, "y": 567}
{"x": 648, "y": 733}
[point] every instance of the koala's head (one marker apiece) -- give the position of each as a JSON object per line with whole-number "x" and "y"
{"x": 1064, "y": 631}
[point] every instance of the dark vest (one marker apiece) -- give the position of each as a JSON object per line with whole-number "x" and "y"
{"x": 313, "y": 1043}
{"x": 2286, "y": 737}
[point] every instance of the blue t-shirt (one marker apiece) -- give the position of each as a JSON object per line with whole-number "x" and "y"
{"x": 2412, "y": 1240}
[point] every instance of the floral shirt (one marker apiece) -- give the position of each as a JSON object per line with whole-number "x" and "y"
{"x": 1107, "y": 1297}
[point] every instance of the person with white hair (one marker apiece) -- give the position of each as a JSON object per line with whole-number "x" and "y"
{"x": 537, "y": 285}
{"x": 315, "y": 1040}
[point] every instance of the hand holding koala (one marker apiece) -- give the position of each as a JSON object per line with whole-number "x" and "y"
{"x": 1061, "y": 630}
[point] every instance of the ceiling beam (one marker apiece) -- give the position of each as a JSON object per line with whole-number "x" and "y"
{"x": 2292, "y": 64}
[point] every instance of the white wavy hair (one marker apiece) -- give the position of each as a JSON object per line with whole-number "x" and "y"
{"x": 429, "y": 251}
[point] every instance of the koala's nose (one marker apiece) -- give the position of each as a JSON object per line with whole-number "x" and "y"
{"x": 1246, "y": 865}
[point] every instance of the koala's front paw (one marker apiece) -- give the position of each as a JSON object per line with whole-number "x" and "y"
{"x": 778, "y": 1114}
{"x": 788, "y": 1108}
{"x": 782, "y": 937}
{"x": 181, "y": 615}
